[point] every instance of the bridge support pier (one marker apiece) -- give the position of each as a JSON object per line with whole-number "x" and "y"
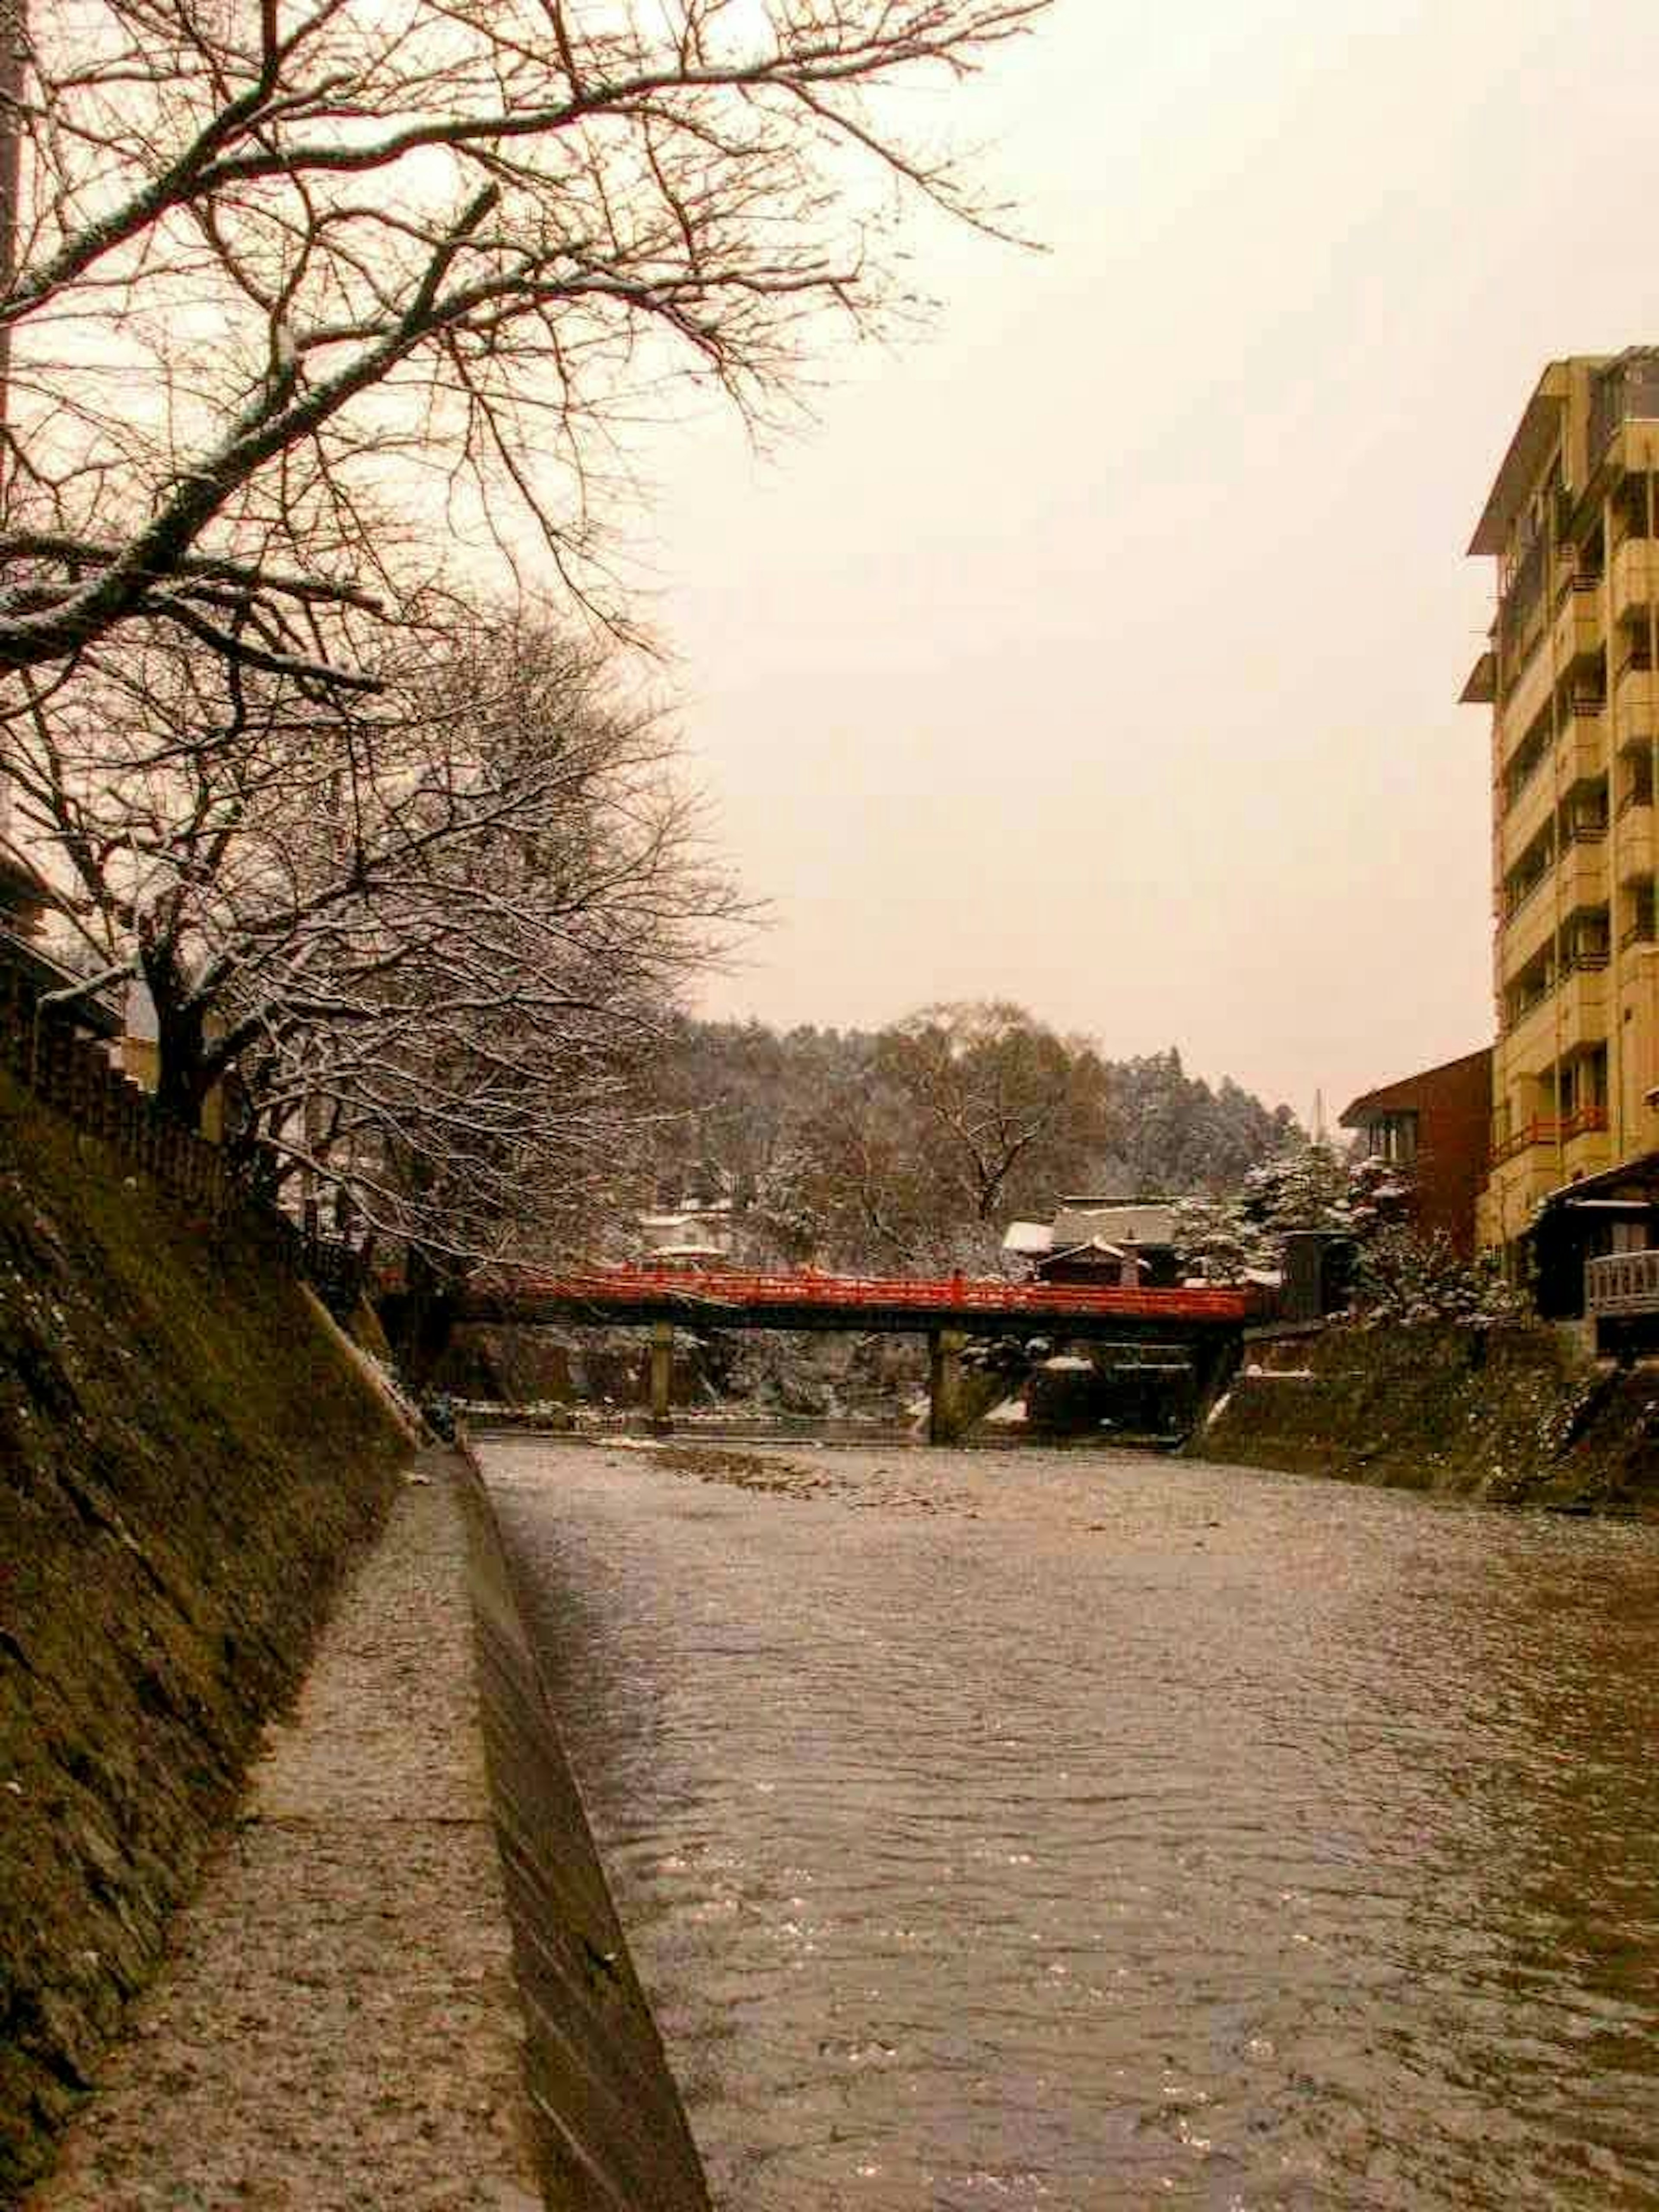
{"x": 662, "y": 1374}
{"x": 944, "y": 1386}
{"x": 1214, "y": 1365}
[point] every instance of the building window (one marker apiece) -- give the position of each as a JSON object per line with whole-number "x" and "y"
{"x": 1394, "y": 1139}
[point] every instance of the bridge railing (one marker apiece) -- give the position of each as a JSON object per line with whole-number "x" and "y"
{"x": 678, "y": 1288}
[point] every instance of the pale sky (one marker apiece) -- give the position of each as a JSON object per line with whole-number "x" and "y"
{"x": 1101, "y": 650}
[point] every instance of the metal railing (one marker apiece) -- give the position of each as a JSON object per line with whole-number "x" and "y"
{"x": 1549, "y": 1130}
{"x": 1518, "y": 775}
{"x": 1522, "y": 600}
{"x": 1515, "y": 899}
{"x": 1581, "y": 580}
{"x": 1624, "y": 391}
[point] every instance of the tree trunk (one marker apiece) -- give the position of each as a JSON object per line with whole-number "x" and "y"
{"x": 183, "y": 1079}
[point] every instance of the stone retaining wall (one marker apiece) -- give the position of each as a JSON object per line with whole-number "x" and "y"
{"x": 188, "y": 1463}
{"x": 1515, "y": 1414}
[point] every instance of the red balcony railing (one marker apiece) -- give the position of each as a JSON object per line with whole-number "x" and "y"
{"x": 1546, "y": 1130}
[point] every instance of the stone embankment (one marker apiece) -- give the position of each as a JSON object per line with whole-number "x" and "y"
{"x": 296, "y": 1993}
{"x": 1515, "y": 1414}
{"x": 188, "y": 1461}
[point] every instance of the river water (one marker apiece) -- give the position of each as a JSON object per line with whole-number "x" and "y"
{"x": 1076, "y": 1830}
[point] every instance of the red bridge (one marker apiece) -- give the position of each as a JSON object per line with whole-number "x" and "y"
{"x": 1206, "y": 1325}
{"x": 736, "y": 1300}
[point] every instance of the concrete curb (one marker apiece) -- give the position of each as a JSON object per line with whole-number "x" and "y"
{"x": 610, "y": 2130}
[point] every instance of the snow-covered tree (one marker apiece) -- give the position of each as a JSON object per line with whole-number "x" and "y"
{"x": 1404, "y": 1276}
{"x": 294, "y": 294}
{"x": 429, "y": 938}
{"x": 1307, "y": 1184}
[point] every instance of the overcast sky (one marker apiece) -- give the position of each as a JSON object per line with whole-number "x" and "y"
{"x": 1101, "y": 650}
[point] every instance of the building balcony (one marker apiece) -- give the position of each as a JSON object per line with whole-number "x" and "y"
{"x": 1515, "y": 898}
{"x": 1531, "y": 808}
{"x": 1633, "y": 839}
{"x": 1577, "y": 633}
{"x": 1581, "y": 752}
{"x": 1588, "y": 1121}
{"x": 1581, "y": 999}
{"x": 1521, "y": 616}
{"x": 1624, "y": 392}
{"x": 1527, "y": 685}
{"x": 1633, "y": 697}
{"x": 1528, "y": 930}
{"x": 1622, "y": 1283}
{"x": 1635, "y": 576}
{"x": 1583, "y": 874}
{"x": 1528, "y": 1040}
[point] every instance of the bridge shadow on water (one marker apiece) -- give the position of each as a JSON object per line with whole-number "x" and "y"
{"x": 827, "y": 1432}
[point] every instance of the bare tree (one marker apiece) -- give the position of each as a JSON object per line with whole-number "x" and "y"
{"x": 430, "y": 937}
{"x": 916, "y": 1151}
{"x": 1006, "y": 1105}
{"x": 302, "y": 286}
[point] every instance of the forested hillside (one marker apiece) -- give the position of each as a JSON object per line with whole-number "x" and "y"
{"x": 920, "y": 1142}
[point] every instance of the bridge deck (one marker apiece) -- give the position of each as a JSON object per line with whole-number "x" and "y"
{"x": 732, "y": 1299}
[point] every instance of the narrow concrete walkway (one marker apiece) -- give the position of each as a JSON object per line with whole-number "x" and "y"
{"x": 338, "y": 2026}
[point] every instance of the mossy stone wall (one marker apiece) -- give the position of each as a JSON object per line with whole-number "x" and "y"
{"x": 1514, "y": 1414}
{"x": 188, "y": 1461}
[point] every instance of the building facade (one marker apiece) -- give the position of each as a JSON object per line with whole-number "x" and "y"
{"x": 1569, "y": 675}
{"x": 1436, "y": 1127}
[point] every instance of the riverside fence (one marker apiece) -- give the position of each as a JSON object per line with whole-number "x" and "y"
{"x": 72, "y": 1073}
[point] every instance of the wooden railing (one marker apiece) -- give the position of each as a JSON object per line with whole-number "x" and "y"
{"x": 1622, "y": 1283}
{"x": 40, "y": 1046}
{"x": 74, "y": 1075}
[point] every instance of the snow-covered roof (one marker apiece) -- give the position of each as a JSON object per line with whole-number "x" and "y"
{"x": 1029, "y": 1239}
{"x": 1145, "y": 1221}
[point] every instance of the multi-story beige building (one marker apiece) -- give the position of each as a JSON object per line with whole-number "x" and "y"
{"x": 1570, "y": 675}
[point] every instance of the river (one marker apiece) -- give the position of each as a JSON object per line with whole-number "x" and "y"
{"x": 1076, "y": 1829}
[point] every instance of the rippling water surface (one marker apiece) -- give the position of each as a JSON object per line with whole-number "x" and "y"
{"x": 1081, "y": 1831}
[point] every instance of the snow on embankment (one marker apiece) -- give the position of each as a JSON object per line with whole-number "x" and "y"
{"x": 1514, "y": 1414}
{"x": 187, "y": 1462}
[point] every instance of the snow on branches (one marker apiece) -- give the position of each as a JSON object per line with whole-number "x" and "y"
{"x": 425, "y": 941}
{"x": 300, "y": 291}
